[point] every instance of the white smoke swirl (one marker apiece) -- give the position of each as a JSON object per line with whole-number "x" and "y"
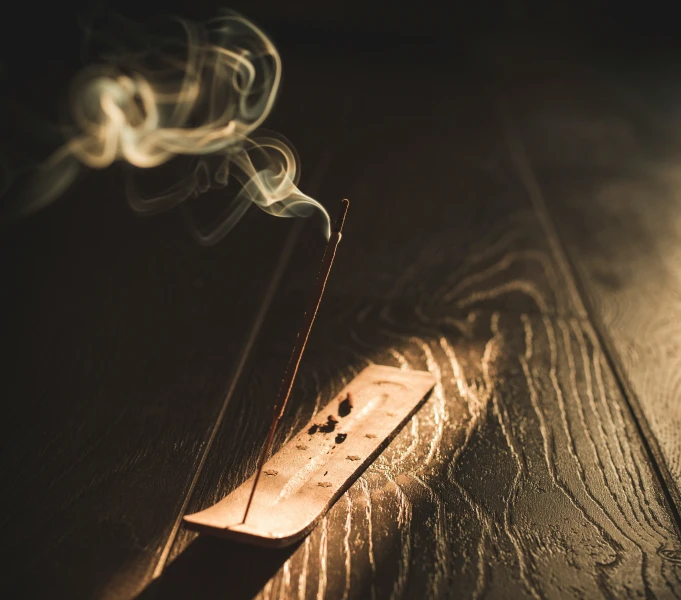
{"x": 147, "y": 107}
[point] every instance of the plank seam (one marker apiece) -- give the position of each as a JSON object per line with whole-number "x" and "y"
{"x": 577, "y": 290}
{"x": 245, "y": 354}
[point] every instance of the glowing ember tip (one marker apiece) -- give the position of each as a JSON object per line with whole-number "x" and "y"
{"x": 340, "y": 218}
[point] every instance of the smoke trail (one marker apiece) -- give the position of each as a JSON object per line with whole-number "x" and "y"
{"x": 203, "y": 96}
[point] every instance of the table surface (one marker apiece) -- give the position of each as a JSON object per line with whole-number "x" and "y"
{"x": 514, "y": 229}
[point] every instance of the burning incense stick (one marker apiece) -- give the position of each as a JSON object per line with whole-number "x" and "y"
{"x": 301, "y": 341}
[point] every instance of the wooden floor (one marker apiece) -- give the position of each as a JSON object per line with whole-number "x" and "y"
{"x": 514, "y": 229}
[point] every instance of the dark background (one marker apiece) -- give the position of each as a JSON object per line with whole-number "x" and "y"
{"x": 41, "y": 47}
{"x": 37, "y": 38}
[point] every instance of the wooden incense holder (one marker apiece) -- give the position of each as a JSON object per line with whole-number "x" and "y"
{"x": 309, "y": 473}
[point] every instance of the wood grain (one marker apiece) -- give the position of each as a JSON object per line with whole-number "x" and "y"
{"x": 607, "y": 158}
{"x": 524, "y": 474}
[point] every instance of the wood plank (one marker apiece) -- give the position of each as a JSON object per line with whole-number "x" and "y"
{"x": 517, "y": 468}
{"x": 609, "y": 172}
{"x": 121, "y": 335}
{"x": 524, "y": 474}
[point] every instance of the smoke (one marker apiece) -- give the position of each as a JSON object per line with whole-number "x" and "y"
{"x": 202, "y": 92}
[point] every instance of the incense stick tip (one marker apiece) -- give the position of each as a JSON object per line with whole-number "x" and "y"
{"x": 340, "y": 219}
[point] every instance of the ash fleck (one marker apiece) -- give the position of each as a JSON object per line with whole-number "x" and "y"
{"x": 301, "y": 447}
{"x": 371, "y": 436}
{"x": 340, "y": 438}
{"x": 390, "y": 414}
{"x": 271, "y": 472}
{"x": 324, "y": 484}
{"x": 345, "y": 407}
{"x": 330, "y": 425}
{"x": 354, "y": 457}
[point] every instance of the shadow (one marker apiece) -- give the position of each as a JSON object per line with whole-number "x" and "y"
{"x": 216, "y": 568}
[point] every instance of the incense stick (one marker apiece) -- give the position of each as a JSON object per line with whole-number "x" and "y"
{"x": 301, "y": 342}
